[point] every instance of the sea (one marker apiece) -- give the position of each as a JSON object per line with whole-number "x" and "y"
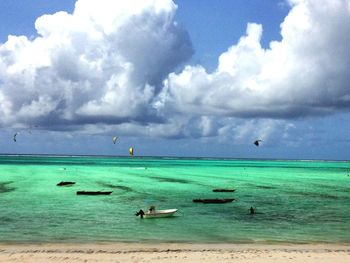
{"x": 296, "y": 201}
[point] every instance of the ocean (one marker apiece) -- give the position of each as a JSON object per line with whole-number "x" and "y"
{"x": 295, "y": 201}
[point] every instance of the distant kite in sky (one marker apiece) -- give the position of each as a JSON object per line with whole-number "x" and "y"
{"x": 14, "y": 137}
{"x": 131, "y": 151}
{"x": 114, "y": 139}
{"x": 257, "y": 142}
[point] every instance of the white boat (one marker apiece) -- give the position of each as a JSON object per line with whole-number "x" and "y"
{"x": 159, "y": 213}
{"x": 153, "y": 213}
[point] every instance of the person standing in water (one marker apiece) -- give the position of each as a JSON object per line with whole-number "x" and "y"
{"x": 140, "y": 213}
{"x": 252, "y": 210}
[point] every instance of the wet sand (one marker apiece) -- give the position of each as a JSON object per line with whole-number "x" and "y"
{"x": 135, "y": 252}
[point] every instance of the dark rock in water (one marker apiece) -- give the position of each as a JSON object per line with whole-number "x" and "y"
{"x": 65, "y": 183}
{"x": 214, "y": 201}
{"x": 94, "y": 192}
{"x": 4, "y": 188}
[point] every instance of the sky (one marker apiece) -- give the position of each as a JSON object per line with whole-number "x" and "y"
{"x": 176, "y": 78}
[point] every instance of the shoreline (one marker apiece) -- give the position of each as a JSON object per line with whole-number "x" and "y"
{"x": 174, "y": 252}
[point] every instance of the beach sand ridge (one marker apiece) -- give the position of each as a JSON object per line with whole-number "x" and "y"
{"x": 130, "y": 252}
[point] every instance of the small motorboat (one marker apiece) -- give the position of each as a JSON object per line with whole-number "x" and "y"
{"x": 224, "y": 190}
{"x": 94, "y": 192}
{"x": 65, "y": 183}
{"x": 153, "y": 213}
{"x": 214, "y": 201}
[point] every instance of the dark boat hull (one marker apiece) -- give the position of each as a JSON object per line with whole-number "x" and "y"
{"x": 213, "y": 201}
{"x": 65, "y": 183}
{"x": 94, "y": 192}
{"x": 224, "y": 190}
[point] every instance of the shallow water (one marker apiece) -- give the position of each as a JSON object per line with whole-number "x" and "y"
{"x": 296, "y": 201}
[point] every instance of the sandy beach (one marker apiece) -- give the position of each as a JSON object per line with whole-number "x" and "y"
{"x": 127, "y": 252}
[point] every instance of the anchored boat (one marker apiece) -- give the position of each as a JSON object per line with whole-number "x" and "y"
{"x": 224, "y": 190}
{"x": 153, "y": 213}
{"x": 94, "y": 192}
{"x": 63, "y": 183}
{"x": 214, "y": 201}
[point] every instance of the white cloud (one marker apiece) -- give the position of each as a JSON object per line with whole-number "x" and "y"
{"x": 245, "y": 132}
{"x": 110, "y": 67}
{"x": 103, "y": 63}
{"x": 306, "y": 73}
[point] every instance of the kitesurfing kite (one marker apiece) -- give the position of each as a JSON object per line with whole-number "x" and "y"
{"x": 257, "y": 142}
{"x": 131, "y": 151}
{"x": 114, "y": 139}
{"x": 14, "y": 137}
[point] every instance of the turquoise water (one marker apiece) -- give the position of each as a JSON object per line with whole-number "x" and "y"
{"x": 296, "y": 201}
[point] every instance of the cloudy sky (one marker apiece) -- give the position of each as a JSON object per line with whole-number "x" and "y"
{"x": 176, "y": 77}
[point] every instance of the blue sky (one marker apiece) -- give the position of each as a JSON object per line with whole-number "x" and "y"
{"x": 214, "y": 27}
{"x": 205, "y": 79}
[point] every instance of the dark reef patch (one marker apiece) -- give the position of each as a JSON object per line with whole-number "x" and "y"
{"x": 265, "y": 187}
{"x": 171, "y": 180}
{"x": 113, "y": 186}
{"x": 5, "y": 188}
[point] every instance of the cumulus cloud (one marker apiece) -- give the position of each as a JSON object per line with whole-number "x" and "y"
{"x": 105, "y": 62}
{"x": 306, "y": 73}
{"x": 111, "y": 65}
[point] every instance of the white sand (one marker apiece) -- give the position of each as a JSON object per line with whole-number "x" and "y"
{"x": 124, "y": 252}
